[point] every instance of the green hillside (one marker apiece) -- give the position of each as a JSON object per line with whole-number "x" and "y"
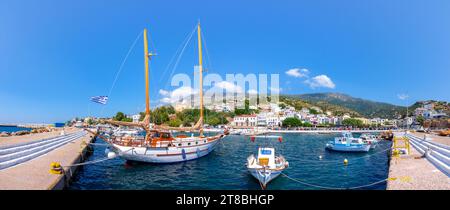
{"x": 342, "y": 103}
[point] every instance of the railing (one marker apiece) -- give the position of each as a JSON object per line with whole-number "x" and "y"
{"x": 438, "y": 154}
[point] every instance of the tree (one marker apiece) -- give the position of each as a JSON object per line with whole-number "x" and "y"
{"x": 127, "y": 119}
{"x": 246, "y": 109}
{"x": 307, "y": 124}
{"x": 141, "y": 116}
{"x": 313, "y": 111}
{"x": 292, "y": 122}
{"x": 420, "y": 119}
{"x": 119, "y": 116}
{"x": 175, "y": 123}
{"x": 352, "y": 122}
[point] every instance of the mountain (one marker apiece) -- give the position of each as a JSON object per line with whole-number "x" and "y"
{"x": 355, "y": 106}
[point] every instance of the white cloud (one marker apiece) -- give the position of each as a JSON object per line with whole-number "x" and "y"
{"x": 297, "y": 72}
{"x": 164, "y": 92}
{"x": 252, "y": 92}
{"x": 166, "y": 100}
{"x": 183, "y": 92}
{"x": 177, "y": 94}
{"x": 320, "y": 81}
{"x": 229, "y": 87}
{"x": 402, "y": 96}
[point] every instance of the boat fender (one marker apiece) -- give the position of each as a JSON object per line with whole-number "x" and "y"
{"x": 111, "y": 155}
{"x": 107, "y": 151}
{"x": 183, "y": 154}
{"x": 280, "y": 139}
{"x": 55, "y": 168}
{"x": 252, "y": 138}
{"x": 345, "y": 161}
{"x": 286, "y": 164}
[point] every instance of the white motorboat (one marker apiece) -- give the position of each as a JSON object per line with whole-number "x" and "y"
{"x": 266, "y": 166}
{"x": 254, "y": 132}
{"x": 235, "y": 132}
{"x": 370, "y": 139}
{"x": 347, "y": 143}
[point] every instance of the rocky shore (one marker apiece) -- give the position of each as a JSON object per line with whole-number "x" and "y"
{"x": 25, "y": 132}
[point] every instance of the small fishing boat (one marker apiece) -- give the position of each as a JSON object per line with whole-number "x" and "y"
{"x": 369, "y": 139}
{"x": 266, "y": 166}
{"x": 348, "y": 143}
{"x": 254, "y": 132}
{"x": 235, "y": 132}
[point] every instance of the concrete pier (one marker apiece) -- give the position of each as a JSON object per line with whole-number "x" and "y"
{"x": 415, "y": 172}
{"x": 34, "y": 174}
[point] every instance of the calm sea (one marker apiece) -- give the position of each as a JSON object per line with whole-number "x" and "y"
{"x": 12, "y": 129}
{"x": 224, "y": 168}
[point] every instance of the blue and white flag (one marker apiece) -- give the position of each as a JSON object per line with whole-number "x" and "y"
{"x": 100, "y": 99}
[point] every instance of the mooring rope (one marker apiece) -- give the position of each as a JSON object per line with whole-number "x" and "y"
{"x": 333, "y": 188}
{"x": 89, "y": 162}
{"x": 95, "y": 161}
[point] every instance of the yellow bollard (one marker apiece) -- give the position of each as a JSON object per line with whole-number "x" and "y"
{"x": 55, "y": 168}
{"x": 396, "y": 152}
{"x": 83, "y": 144}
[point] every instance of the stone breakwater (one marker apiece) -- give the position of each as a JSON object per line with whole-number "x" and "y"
{"x": 26, "y": 132}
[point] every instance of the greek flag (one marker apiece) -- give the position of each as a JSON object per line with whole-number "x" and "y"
{"x": 100, "y": 99}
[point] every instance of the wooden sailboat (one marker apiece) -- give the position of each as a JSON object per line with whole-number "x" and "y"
{"x": 159, "y": 145}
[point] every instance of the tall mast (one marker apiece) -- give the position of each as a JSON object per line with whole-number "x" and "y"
{"x": 147, "y": 57}
{"x": 200, "y": 68}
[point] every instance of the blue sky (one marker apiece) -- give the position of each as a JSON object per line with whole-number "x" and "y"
{"x": 54, "y": 55}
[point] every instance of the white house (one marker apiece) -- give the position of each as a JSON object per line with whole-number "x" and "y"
{"x": 136, "y": 117}
{"x": 273, "y": 121}
{"x": 262, "y": 119}
{"x": 245, "y": 120}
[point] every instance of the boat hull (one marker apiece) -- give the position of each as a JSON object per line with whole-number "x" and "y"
{"x": 348, "y": 148}
{"x": 165, "y": 154}
{"x": 264, "y": 176}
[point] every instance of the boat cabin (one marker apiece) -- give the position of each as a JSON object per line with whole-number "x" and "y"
{"x": 266, "y": 156}
{"x": 347, "y": 138}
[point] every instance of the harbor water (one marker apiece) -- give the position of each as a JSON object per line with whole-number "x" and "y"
{"x": 224, "y": 168}
{"x": 10, "y": 129}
